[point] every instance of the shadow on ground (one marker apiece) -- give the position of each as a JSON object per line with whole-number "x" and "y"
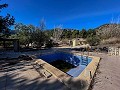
{"x": 15, "y": 81}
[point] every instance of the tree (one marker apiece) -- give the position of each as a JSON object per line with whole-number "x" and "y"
{"x": 75, "y": 34}
{"x": 5, "y": 22}
{"x": 42, "y": 25}
{"x": 49, "y": 33}
{"x": 66, "y": 34}
{"x": 57, "y": 33}
{"x": 91, "y": 32}
{"x": 23, "y": 34}
{"x": 93, "y": 40}
{"x": 83, "y": 33}
{"x": 38, "y": 37}
{"x": 32, "y": 29}
{"x": 30, "y": 34}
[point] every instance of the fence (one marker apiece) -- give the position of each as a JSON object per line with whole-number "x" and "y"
{"x": 114, "y": 51}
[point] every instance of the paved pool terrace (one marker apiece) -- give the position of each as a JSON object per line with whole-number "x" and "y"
{"x": 79, "y": 61}
{"x": 79, "y": 81}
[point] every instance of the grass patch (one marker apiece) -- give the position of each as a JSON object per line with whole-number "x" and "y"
{"x": 62, "y": 65}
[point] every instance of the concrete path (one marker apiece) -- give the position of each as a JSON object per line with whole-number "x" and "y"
{"x": 25, "y": 77}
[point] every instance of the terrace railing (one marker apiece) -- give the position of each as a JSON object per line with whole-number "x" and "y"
{"x": 84, "y": 60}
{"x": 114, "y": 51}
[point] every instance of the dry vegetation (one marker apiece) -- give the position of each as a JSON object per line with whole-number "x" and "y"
{"x": 111, "y": 41}
{"x": 109, "y": 33}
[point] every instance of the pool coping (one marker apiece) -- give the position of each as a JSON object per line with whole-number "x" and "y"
{"x": 86, "y": 75}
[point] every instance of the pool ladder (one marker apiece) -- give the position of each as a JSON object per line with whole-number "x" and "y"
{"x": 84, "y": 60}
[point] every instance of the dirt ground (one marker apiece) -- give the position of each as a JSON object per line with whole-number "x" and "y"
{"x": 108, "y": 74}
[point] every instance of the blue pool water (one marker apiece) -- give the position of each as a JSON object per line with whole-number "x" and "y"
{"x": 79, "y": 61}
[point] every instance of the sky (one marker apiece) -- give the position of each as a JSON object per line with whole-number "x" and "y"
{"x": 75, "y": 14}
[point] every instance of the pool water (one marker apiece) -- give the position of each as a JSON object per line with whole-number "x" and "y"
{"x": 79, "y": 62}
{"x": 62, "y": 65}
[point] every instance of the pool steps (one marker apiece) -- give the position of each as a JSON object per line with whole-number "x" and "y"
{"x": 84, "y": 60}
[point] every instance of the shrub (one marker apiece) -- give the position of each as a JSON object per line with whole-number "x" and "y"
{"x": 93, "y": 40}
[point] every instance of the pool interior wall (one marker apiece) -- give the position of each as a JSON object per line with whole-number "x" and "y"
{"x": 79, "y": 61}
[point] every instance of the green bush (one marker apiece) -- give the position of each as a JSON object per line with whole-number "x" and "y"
{"x": 49, "y": 44}
{"x": 93, "y": 40}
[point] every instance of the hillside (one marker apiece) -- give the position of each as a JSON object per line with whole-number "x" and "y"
{"x": 109, "y": 33}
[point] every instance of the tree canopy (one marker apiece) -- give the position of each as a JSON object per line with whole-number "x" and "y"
{"x": 5, "y": 22}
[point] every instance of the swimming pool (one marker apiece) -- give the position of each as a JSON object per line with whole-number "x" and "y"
{"x": 80, "y": 62}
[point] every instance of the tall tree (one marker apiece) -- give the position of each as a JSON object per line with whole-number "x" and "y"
{"x": 5, "y": 22}
{"x": 57, "y": 33}
{"x": 42, "y": 25}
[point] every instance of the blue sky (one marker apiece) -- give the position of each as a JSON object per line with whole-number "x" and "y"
{"x": 75, "y": 14}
